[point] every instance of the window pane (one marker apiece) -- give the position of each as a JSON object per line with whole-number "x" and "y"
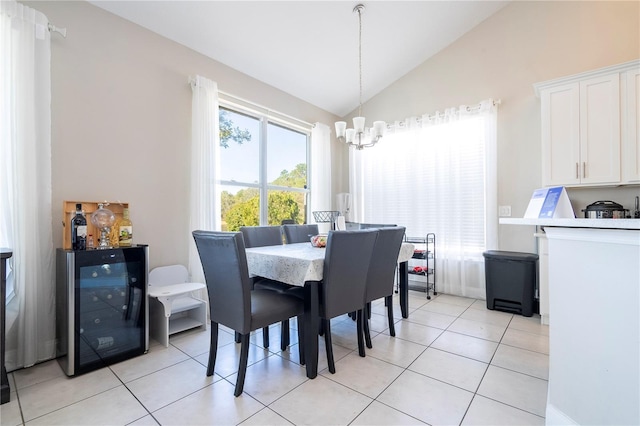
{"x": 240, "y": 147}
{"x": 286, "y": 205}
{"x": 286, "y": 157}
{"x": 240, "y": 206}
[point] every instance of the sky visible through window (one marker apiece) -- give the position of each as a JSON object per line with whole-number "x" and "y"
{"x": 240, "y": 163}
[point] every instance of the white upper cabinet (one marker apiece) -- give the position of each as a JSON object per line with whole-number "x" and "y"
{"x": 582, "y": 118}
{"x": 631, "y": 127}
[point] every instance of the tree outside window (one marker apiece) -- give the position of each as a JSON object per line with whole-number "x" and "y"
{"x": 263, "y": 171}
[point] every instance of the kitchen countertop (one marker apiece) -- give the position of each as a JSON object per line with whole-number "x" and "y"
{"x": 632, "y": 224}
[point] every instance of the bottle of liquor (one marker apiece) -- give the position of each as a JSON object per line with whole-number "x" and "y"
{"x": 90, "y": 241}
{"x": 78, "y": 229}
{"x": 125, "y": 229}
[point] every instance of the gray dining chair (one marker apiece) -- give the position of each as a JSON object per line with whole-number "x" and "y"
{"x": 260, "y": 236}
{"x": 381, "y": 274}
{"x": 375, "y": 225}
{"x": 299, "y": 233}
{"x": 232, "y": 302}
{"x": 346, "y": 264}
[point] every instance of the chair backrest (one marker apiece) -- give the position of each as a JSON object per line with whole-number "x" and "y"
{"x": 375, "y": 225}
{"x": 383, "y": 263}
{"x": 167, "y": 275}
{"x": 346, "y": 263}
{"x": 224, "y": 262}
{"x": 259, "y": 236}
{"x": 299, "y": 233}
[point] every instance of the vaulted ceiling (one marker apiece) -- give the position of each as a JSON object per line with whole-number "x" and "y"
{"x": 309, "y": 49}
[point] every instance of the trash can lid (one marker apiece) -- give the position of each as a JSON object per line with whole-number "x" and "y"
{"x": 509, "y": 255}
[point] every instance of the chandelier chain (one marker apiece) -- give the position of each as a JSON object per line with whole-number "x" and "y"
{"x": 359, "y": 9}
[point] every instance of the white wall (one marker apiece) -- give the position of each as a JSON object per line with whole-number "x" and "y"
{"x": 121, "y": 103}
{"x": 524, "y": 43}
{"x": 121, "y": 120}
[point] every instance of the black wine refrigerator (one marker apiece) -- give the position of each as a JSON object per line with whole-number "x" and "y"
{"x": 101, "y": 307}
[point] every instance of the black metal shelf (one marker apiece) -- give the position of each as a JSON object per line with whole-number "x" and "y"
{"x": 428, "y": 255}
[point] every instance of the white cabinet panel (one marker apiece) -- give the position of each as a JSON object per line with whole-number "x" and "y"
{"x": 600, "y": 130}
{"x": 590, "y": 127}
{"x": 631, "y": 128}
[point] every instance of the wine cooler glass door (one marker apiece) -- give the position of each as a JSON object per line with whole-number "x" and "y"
{"x": 110, "y": 307}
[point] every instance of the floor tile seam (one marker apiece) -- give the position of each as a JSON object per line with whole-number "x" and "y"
{"x": 173, "y": 402}
{"x": 399, "y": 411}
{"x": 525, "y": 349}
{"x": 446, "y": 383}
{"x": 529, "y": 332}
{"x": 510, "y": 405}
{"x": 19, "y": 403}
{"x": 24, "y": 421}
{"x": 519, "y": 372}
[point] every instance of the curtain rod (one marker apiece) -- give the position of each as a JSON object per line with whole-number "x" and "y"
{"x": 54, "y": 29}
{"x": 268, "y": 110}
{"x": 230, "y": 98}
{"x": 401, "y": 124}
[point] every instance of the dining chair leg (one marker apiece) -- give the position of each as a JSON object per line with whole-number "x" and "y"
{"x": 213, "y": 348}
{"x": 242, "y": 369}
{"x": 327, "y": 344}
{"x": 367, "y": 332}
{"x": 359, "y": 320}
{"x": 285, "y": 338}
{"x": 392, "y": 327}
{"x": 301, "y": 339}
{"x": 236, "y": 336}
{"x": 265, "y": 337}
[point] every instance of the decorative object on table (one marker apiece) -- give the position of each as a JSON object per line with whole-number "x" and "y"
{"x": 360, "y": 136}
{"x": 103, "y": 219}
{"x": 326, "y": 216}
{"x": 319, "y": 240}
{"x": 78, "y": 229}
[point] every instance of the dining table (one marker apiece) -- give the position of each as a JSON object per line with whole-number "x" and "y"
{"x": 302, "y": 265}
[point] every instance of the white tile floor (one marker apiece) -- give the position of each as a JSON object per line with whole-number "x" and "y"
{"x": 451, "y": 362}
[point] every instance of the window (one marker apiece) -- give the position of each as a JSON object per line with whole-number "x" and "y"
{"x": 437, "y": 177}
{"x": 263, "y": 170}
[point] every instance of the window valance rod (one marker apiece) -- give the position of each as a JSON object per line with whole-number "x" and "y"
{"x": 53, "y": 29}
{"x": 403, "y": 124}
{"x": 231, "y": 100}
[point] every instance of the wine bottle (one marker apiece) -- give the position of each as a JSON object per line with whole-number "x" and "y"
{"x": 125, "y": 229}
{"x": 78, "y": 229}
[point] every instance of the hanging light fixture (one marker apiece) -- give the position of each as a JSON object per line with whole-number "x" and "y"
{"x": 360, "y": 136}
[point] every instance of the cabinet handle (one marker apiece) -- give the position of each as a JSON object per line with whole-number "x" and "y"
{"x": 584, "y": 169}
{"x": 577, "y": 171}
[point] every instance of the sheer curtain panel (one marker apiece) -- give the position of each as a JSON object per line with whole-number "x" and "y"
{"x": 25, "y": 197}
{"x": 205, "y": 166}
{"x": 320, "y": 173}
{"x": 436, "y": 174}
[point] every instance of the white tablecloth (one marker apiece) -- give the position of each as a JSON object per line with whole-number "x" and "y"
{"x": 296, "y": 263}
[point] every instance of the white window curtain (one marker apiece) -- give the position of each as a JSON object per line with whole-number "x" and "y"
{"x": 205, "y": 166}
{"x": 320, "y": 171}
{"x": 436, "y": 174}
{"x": 25, "y": 192}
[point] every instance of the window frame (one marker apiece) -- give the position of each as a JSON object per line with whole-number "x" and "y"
{"x": 265, "y": 119}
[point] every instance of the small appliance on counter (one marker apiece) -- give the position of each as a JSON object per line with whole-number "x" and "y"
{"x": 605, "y": 210}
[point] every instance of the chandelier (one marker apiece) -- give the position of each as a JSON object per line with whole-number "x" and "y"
{"x": 360, "y": 136}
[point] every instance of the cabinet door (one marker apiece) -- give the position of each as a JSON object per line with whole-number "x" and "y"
{"x": 631, "y": 123}
{"x": 600, "y": 130}
{"x": 560, "y": 135}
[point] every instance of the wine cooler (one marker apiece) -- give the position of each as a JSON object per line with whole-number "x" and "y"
{"x": 101, "y": 307}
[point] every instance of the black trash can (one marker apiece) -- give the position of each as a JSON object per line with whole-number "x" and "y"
{"x": 510, "y": 281}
